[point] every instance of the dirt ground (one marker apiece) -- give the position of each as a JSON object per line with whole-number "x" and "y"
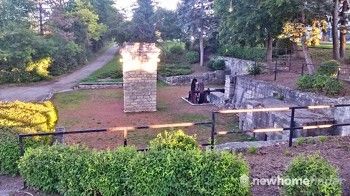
{"x": 272, "y": 161}
{"x": 96, "y": 109}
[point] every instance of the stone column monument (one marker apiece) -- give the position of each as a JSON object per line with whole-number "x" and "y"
{"x": 140, "y": 77}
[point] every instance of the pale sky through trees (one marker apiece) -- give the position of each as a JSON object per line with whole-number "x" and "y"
{"x": 127, "y": 4}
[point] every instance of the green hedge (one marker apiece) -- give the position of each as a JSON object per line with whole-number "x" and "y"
{"x": 247, "y": 53}
{"x": 70, "y": 171}
{"x": 20, "y": 117}
{"x": 174, "y": 70}
{"x": 322, "y": 178}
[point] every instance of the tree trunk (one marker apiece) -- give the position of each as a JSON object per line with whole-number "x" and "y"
{"x": 308, "y": 60}
{"x": 309, "y": 64}
{"x": 201, "y": 38}
{"x": 335, "y": 37}
{"x": 269, "y": 52}
{"x": 201, "y": 49}
{"x": 343, "y": 31}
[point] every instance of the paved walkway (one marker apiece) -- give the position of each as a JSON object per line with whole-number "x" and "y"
{"x": 40, "y": 91}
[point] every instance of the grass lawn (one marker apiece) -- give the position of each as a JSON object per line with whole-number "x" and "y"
{"x": 89, "y": 109}
{"x": 111, "y": 71}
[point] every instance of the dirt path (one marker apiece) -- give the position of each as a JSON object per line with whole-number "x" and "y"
{"x": 38, "y": 92}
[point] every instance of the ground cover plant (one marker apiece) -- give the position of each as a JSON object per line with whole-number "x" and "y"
{"x": 160, "y": 171}
{"x": 19, "y": 117}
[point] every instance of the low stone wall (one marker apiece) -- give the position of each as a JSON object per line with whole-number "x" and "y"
{"x": 100, "y": 85}
{"x": 247, "y": 88}
{"x": 215, "y": 77}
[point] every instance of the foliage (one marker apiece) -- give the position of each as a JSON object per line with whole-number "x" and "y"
{"x": 167, "y": 24}
{"x": 247, "y": 53}
{"x": 216, "y": 64}
{"x": 252, "y": 150}
{"x": 320, "y": 83}
{"x": 40, "y": 67}
{"x": 172, "y": 52}
{"x": 329, "y": 68}
{"x": 9, "y": 151}
{"x": 19, "y": 117}
{"x": 305, "y": 82}
{"x": 28, "y": 117}
{"x": 174, "y": 140}
{"x": 255, "y": 69}
{"x": 322, "y": 177}
{"x": 143, "y": 22}
{"x": 75, "y": 171}
{"x": 174, "y": 70}
{"x": 192, "y": 57}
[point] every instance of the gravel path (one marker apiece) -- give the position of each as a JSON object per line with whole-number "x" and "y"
{"x": 40, "y": 91}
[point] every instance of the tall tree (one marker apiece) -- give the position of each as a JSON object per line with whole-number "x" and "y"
{"x": 143, "y": 23}
{"x": 15, "y": 12}
{"x": 343, "y": 22}
{"x": 198, "y": 21}
{"x": 250, "y": 22}
{"x": 335, "y": 37}
{"x": 168, "y": 24}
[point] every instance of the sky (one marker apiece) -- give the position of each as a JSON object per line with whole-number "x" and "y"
{"x": 127, "y": 4}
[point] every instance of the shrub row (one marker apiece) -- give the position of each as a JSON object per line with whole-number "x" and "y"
{"x": 173, "y": 52}
{"x": 247, "y": 53}
{"x": 19, "y": 117}
{"x": 160, "y": 171}
{"x": 174, "y": 70}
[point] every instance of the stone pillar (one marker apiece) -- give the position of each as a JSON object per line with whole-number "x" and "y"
{"x": 229, "y": 87}
{"x": 140, "y": 77}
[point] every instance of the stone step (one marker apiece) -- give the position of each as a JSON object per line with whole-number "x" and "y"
{"x": 250, "y": 121}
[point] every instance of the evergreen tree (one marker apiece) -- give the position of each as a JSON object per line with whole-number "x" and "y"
{"x": 143, "y": 22}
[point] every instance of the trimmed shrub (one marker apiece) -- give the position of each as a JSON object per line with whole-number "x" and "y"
{"x": 41, "y": 167}
{"x": 174, "y": 70}
{"x": 216, "y": 64}
{"x": 172, "y": 52}
{"x": 322, "y": 177}
{"x": 328, "y": 68}
{"x": 174, "y": 140}
{"x": 255, "y": 69}
{"x": 305, "y": 82}
{"x": 192, "y": 57}
{"x": 9, "y": 152}
{"x": 74, "y": 171}
{"x": 115, "y": 170}
{"x": 177, "y": 172}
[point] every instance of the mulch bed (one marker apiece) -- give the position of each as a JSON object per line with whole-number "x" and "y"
{"x": 273, "y": 161}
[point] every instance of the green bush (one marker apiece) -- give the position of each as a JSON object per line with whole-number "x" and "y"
{"x": 9, "y": 152}
{"x": 254, "y": 54}
{"x": 74, "y": 171}
{"x": 216, "y": 64}
{"x": 333, "y": 87}
{"x": 174, "y": 140}
{"x": 174, "y": 70}
{"x": 172, "y": 52}
{"x": 192, "y": 57}
{"x": 320, "y": 83}
{"x": 328, "y": 68}
{"x": 255, "y": 69}
{"x": 322, "y": 177}
{"x": 47, "y": 160}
